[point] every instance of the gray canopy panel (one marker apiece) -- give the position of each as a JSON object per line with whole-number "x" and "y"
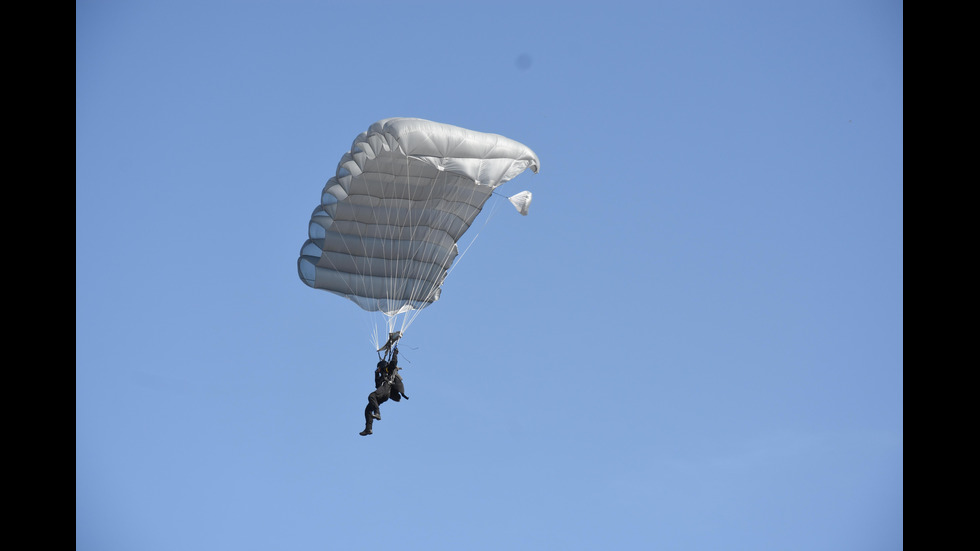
{"x": 386, "y": 230}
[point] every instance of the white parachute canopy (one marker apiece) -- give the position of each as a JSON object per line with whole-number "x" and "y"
{"x": 386, "y": 230}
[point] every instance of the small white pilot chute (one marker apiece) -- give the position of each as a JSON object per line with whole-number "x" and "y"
{"x": 521, "y": 201}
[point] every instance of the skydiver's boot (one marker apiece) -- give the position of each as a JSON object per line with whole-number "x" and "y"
{"x": 376, "y": 414}
{"x": 368, "y": 422}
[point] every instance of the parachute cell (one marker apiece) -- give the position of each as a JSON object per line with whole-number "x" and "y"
{"x": 386, "y": 230}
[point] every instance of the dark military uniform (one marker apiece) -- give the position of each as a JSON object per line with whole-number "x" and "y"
{"x": 388, "y": 384}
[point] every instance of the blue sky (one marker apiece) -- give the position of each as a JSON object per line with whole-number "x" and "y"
{"x": 694, "y": 341}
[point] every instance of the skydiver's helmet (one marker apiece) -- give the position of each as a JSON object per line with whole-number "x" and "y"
{"x": 382, "y": 364}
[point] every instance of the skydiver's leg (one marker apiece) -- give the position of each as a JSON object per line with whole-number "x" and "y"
{"x": 368, "y": 420}
{"x": 374, "y": 404}
{"x": 399, "y": 387}
{"x": 371, "y": 412}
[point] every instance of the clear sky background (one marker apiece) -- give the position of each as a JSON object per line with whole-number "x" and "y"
{"x": 694, "y": 341}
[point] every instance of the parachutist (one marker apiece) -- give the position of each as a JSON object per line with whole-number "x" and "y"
{"x": 387, "y": 384}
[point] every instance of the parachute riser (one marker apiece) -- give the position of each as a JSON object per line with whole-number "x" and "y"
{"x": 385, "y": 351}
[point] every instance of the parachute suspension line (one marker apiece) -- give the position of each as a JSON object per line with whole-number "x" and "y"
{"x": 376, "y": 242}
{"x": 421, "y": 278}
{"x": 486, "y": 221}
{"x": 369, "y": 318}
{"x": 362, "y": 277}
{"x": 415, "y": 219}
{"x": 340, "y": 235}
{"x": 379, "y": 241}
{"x": 412, "y": 225}
{"x": 492, "y": 212}
{"x": 394, "y": 278}
{"x": 397, "y": 272}
{"x": 390, "y": 269}
{"x": 372, "y": 328}
{"x": 388, "y": 239}
{"x": 388, "y": 242}
{"x": 438, "y": 270}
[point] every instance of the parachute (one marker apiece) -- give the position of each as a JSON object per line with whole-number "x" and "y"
{"x": 386, "y": 231}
